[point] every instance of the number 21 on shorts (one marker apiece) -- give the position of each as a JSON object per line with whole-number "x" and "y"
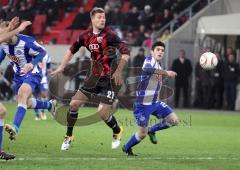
{"x": 110, "y": 94}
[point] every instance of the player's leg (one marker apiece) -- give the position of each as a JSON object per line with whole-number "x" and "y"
{"x": 134, "y": 140}
{"x": 77, "y": 100}
{"x": 104, "y": 111}
{"x": 3, "y": 155}
{"x": 24, "y": 92}
{"x": 36, "y": 111}
{"x": 44, "y": 96}
{"x": 169, "y": 119}
{"x": 141, "y": 114}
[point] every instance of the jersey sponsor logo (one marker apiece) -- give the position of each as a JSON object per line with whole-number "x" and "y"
{"x": 14, "y": 59}
{"x": 93, "y": 46}
{"x": 99, "y": 39}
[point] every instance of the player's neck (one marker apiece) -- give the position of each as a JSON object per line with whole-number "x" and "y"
{"x": 96, "y": 30}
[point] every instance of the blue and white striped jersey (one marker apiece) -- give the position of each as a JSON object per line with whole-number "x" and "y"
{"x": 46, "y": 64}
{"x": 26, "y": 50}
{"x": 150, "y": 84}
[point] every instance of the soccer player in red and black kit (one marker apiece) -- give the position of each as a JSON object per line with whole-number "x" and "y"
{"x": 104, "y": 81}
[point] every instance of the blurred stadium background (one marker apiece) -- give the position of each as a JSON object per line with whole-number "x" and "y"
{"x": 206, "y": 139}
{"x": 194, "y": 26}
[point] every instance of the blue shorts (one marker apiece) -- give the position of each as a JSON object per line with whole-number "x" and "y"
{"x": 142, "y": 112}
{"x": 43, "y": 87}
{"x": 34, "y": 80}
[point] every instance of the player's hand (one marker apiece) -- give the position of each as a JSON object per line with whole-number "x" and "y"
{"x": 117, "y": 76}
{"x": 172, "y": 74}
{"x": 23, "y": 25}
{"x": 13, "y": 23}
{"x": 27, "y": 67}
{"x": 60, "y": 69}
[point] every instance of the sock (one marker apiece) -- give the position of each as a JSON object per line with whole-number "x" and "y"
{"x": 159, "y": 126}
{"x": 134, "y": 140}
{"x": 1, "y": 133}
{"x": 42, "y": 110}
{"x": 112, "y": 123}
{"x": 19, "y": 115}
{"x": 36, "y": 112}
{"x": 71, "y": 119}
{"x": 38, "y": 104}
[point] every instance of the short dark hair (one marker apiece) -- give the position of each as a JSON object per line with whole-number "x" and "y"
{"x": 158, "y": 43}
{"x": 96, "y": 10}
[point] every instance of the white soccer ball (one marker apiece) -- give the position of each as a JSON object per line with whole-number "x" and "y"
{"x": 208, "y": 60}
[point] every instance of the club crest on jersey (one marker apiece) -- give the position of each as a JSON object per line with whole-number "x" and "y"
{"x": 14, "y": 58}
{"x": 93, "y": 46}
{"x": 18, "y": 52}
{"x": 99, "y": 39}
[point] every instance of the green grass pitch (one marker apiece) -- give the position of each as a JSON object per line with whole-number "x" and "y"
{"x": 203, "y": 140}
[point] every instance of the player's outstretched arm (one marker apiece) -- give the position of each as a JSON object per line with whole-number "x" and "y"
{"x": 67, "y": 57}
{"x": 171, "y": 74}
{"x": 6, "y": 35}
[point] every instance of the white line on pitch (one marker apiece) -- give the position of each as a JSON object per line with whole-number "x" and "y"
{"x": 113, "y": 159}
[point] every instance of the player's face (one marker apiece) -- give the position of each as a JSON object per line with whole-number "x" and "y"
{"x": 99, "y": 20}
{"x": 158, "y": 52}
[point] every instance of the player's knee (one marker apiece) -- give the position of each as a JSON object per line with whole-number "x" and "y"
{"x": 23, "y": 94}
{"x": 74, "y": 105}
{"x": 2, "y": 113}
{"x": 173, "y": 121}
{"x": 142, "y": 133}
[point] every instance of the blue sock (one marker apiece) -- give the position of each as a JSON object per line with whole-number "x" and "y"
{"x": 132, "y": 142}
{"x": 38, "y": 104}
{"x": 36, "y": 112}
{"x": 159, "y": 126}
{"x": 19, "y": 115}
{"x": 1, "y": 134}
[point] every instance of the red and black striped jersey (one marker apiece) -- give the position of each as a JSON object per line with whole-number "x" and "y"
{"x": 103, "y": 48}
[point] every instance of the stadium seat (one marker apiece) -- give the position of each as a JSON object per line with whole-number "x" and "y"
{"x": 39, "y": 24}
{"x": 64, "y": 37}
{"x": 75, "y": 35}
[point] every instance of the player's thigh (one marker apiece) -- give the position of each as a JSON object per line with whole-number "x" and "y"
{"x": 172, "y": 118}
{"x": 78, "y": 99}
{"x": 161, "y": 110}
{"x": 142, "y": 115}
{"x": 104, "y": 110}
{"x": 2, "y": 111}
{"x": 24, "y": 92}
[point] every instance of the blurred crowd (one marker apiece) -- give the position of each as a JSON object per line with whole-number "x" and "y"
{"x": 136, "y": 21}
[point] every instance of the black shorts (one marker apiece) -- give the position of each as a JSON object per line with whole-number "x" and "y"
{"x": 101, "y": 89}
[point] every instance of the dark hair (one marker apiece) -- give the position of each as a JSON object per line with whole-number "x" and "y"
{"x": 96, "y": 10}
{"x": 158, "y": 43}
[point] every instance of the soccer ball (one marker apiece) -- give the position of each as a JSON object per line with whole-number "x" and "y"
{"x": 208, "y": 60}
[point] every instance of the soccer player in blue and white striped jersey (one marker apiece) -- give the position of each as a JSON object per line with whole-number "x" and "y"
{"x": 43, "y": 93}
{"x": 147, "y": 101}
{"x": 25, "y": 54}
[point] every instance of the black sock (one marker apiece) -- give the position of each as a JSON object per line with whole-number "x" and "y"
{"x": 112, "y": 123}
{"x": 71, "y": 120}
